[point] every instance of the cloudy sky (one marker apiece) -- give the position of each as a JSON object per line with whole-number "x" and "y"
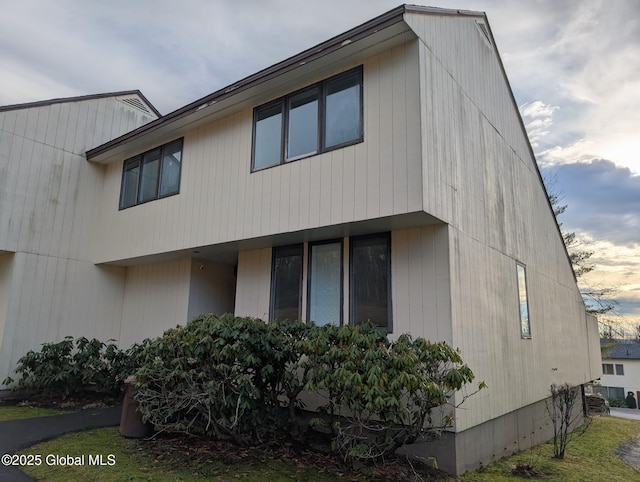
{"x": 574, "y": 66}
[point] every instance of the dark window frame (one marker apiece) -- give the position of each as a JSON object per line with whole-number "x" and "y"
{"x": 288, "y": 248}
{"x": 284, "y": 103}
{"x": 607, "y": 369}
{"x": 309, "y": 261}
{"x": 352, "y": 307}
{"x": 619, "y": 369}
{"x": 138, "y": 161}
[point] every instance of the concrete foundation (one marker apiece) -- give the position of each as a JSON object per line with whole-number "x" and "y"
{"x": 461, "y": 452}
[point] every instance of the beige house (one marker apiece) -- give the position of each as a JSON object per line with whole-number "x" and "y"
{"x": 384, "y": 174}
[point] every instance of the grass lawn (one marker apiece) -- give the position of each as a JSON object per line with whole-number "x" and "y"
{"x": 132, "y": 464}
{"x": 590, "y": 457}
{"x": 12, "y": 412}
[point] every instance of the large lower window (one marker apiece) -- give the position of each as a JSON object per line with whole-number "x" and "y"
{"x": 316, "y": 119}
{"x": 369, "y": 299}
{"x": 325, "y": 283}
{"x": 370, "y": 284}
{"x": 286, "y": 283}
{"x": 151, "y": 175}
{"x": 525, "y": 324}
{"x": 613, "y": 393}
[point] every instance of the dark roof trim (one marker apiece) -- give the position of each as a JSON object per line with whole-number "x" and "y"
{"x": 441, "y": 11}
{"x": 43, "y": 103}
{"x": 385, "y": 20}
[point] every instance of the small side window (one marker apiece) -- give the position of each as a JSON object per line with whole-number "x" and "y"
{"x": 525, "y": 322}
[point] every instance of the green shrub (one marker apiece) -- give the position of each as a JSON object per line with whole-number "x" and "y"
{"x": 240, "y": 379}
{"x": 384, "y": 392}
{"x": 617, "y": 403}
{"x": 61, "y": 370}
{"x": 221, "y": 376}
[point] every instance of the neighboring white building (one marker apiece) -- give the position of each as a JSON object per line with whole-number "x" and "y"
{"x": 384, "y": 174}
{"x": 620, "y": 369}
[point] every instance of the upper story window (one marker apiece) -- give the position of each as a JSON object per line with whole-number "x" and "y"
{"x": 151, "y": 175}
{"x": 607, "y": 369}
{"x": 316, "y": 119}
{"x": 525, "y": 325}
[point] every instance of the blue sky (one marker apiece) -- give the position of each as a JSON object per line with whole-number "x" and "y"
{"x": 574, "y": 67}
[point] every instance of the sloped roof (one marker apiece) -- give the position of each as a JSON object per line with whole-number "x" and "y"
{"x": 200, "y": 108}
{"x": 620, "y": 350}
{"x": 44, "y": 103}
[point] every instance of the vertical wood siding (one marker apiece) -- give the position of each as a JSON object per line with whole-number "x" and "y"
{"x": 212, "y": 288}
{"x": 6, "y": 270}
{"x": 254, "y": 283}
{"x": 48, "y": 191}
{"x": 48, "y": 217}
{"x": 480, "y": 178}
{"x": 51, "y": 297}
{"x": 420, "y": 282}
{"x": 156, "y": 298}
{"x": 220, "y": 200}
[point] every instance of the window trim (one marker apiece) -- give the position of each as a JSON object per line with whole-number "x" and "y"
{"x": 284, "y": 102}
{"x": 139, "y": 161}
{"x": 309, "y": 261}
{"x": 619, "y": 369}
{"x": 387, "y": 237}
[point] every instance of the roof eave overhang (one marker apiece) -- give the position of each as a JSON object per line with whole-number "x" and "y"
{"x": 382, "y": 31}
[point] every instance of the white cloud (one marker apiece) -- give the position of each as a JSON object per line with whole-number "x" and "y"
{"x": 538, "y": 119}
